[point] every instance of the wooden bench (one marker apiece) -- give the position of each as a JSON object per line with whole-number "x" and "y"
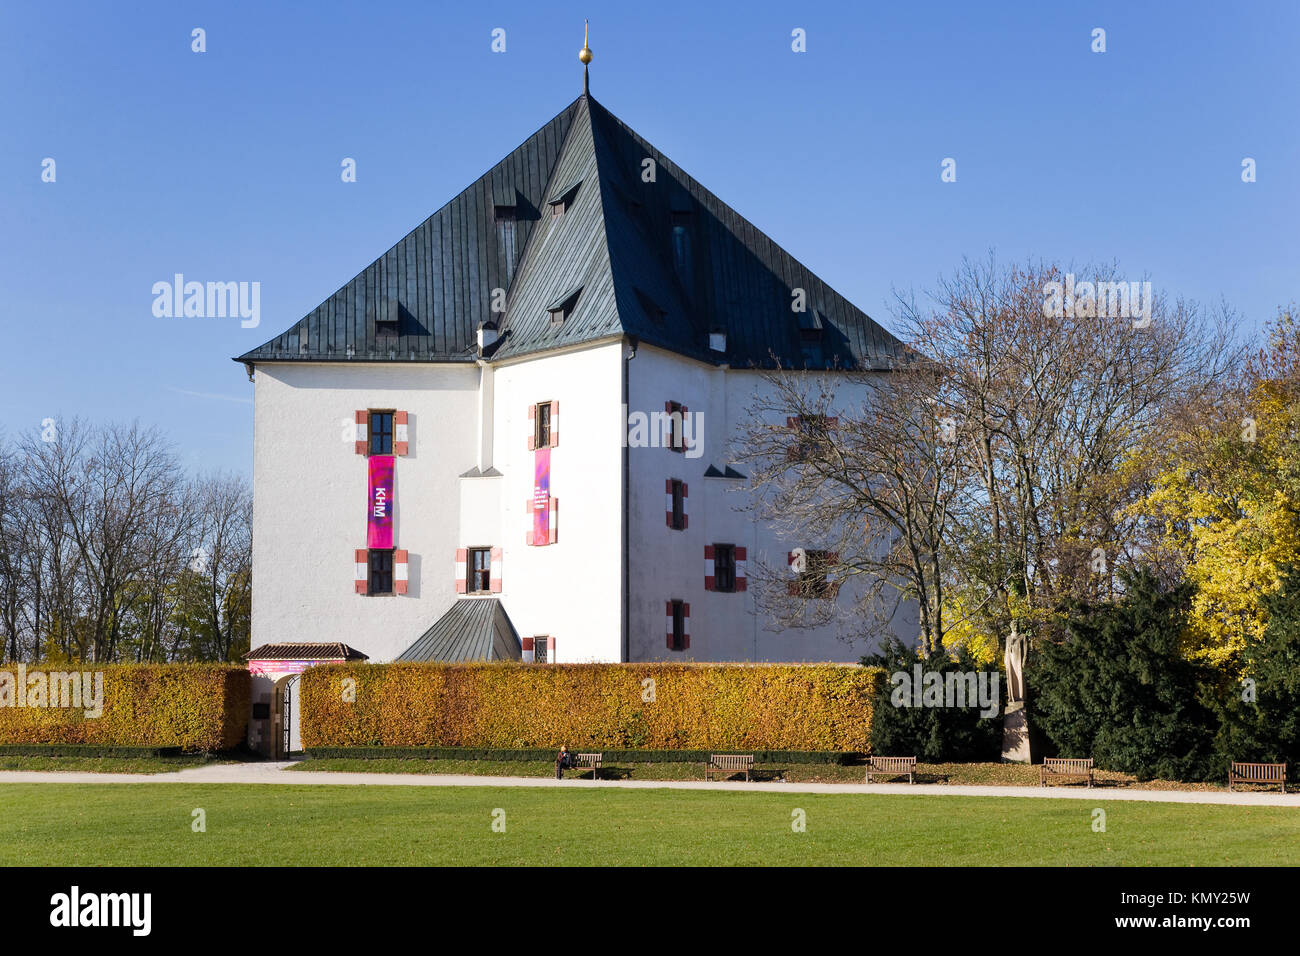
{"x": 1071, "y": 768}
{"x": 1265, "y": 773}
{"x": 891, "y": 767}
{"x": 588, "y": 762}
{"x": 729, "y": 764}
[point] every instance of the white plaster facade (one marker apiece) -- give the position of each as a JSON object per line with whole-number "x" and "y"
{"x": 599, "y": 590}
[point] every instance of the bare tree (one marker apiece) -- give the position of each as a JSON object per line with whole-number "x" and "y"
{"x": 1052, "y": 405}
{"x": 986, "y": 477}
{"x": 871, "y": 480}
{"x": 108, "y": 551}
{"x": 222, "y": 562}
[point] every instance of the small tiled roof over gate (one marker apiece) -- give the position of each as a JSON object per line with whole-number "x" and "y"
{"x": 325, "y": 651}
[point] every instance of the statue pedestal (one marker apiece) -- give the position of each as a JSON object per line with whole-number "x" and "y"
{"x": 1015, "y": 734}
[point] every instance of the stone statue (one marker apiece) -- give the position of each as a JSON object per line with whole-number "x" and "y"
{"x": 1015, "y": 722}
{"x": 1014, "y": 661}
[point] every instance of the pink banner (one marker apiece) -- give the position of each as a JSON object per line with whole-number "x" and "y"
{"x": 542, "y": 496}
{"x": 380, "y": 532}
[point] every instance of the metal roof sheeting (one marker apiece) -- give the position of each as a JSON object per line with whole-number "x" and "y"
{"x": 473, "y": 629}
{"x": 616, "y": 242}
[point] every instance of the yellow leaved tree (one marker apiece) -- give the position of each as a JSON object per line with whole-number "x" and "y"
{"x": 1223, "y": 503}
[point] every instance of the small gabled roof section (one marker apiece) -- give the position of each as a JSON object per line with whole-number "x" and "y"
{"x": 565, "y": 194}
{"x": 472, "y": 629}
{"x": 332, "y": 651}
{"x": 568, "y": 298}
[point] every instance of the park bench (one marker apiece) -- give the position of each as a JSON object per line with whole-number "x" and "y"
{"x": 729, "y": 764}
{"x": 891, "y": 767}
{"x": 1265, "y": 773}
{"x": 1071, "y": 768}
{"x": 588, "y": 762}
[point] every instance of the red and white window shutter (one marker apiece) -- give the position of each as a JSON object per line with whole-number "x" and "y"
{"x": 361, "y": 434}
{"x": 710, "y": 579}
{"x": 401, "y": 445}
{"x": 362, "y": 573}
{"x": 686, "y": 626}
{"x": 530, "y": 648}
{"x": 674, "y": 437}
{"x": 554, "y": 438}
{"x": 462, "y": 559}
{"x": 668, "y": 504}
{"x": 552, "y": 522}
{"x": 494, "y": 576}
{"x": 401, "y": 571}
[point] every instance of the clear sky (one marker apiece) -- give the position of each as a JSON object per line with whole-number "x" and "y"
{"x": 225, "y": 165}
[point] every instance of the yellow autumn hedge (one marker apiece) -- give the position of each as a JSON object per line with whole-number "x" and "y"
{"x": 192, "y": 706}
{"x": 820, "y": 707}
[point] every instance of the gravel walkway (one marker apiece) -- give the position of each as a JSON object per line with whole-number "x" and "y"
{"x": 278, "y": 773}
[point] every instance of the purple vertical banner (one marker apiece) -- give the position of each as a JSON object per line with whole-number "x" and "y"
{"x": 380, "y": 502}
{"x": 542, "y": 496}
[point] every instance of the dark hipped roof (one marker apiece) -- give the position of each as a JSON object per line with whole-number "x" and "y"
{"x": 614, "y": 242}
{"x": 473, "y": 629}
{"x": 333, "y": 651}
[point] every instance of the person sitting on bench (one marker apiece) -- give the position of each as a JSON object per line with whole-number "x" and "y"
{"x": 563, "y": 761}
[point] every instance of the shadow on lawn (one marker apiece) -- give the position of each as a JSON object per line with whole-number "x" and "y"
{"x": 770, "y": 775}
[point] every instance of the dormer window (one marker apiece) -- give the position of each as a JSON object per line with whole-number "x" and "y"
{"x": 811, "y": 327}
{"x": 563, "y": 307}
{"x": 564, "y": 201}
{"x": 505, "y": 204}
{"x": 652, "y": 310}
{"x": 387, "y": 322}
{"x": 682, "y": 246}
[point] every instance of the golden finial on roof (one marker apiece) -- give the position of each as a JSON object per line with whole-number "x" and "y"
{"x": 585, "y": 56}
{"x": 585, "y": 53}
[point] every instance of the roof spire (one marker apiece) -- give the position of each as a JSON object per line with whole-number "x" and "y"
{"x": 585, "y": 56}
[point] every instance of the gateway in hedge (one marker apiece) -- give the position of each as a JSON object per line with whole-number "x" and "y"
{"x": 584, "y": 279}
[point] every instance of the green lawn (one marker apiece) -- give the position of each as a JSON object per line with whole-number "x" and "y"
{"x": 107, "y": 764}
{"x": 150, "y": 824}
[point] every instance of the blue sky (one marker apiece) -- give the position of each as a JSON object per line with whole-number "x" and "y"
{"x": 225, "y": 165}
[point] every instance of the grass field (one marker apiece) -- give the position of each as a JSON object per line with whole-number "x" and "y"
{"x": 149, "y": 824}
{"x": 108, "y": 764}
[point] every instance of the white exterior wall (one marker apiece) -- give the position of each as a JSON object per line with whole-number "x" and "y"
{"x": 668, "y": 564}
{"x": 310, "y": 491}
{"x": 310, "y": 494}
{"x": 570, "y": 590}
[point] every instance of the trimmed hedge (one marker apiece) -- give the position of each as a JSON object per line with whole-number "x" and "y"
{"x": 618, "y": 756}
{"x": 85, "y": 750}
{"x": 186, "y": 706}
{"x": 515, "y": 706}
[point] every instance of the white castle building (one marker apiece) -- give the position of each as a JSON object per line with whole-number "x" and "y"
{"x": 442, "y": 468}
